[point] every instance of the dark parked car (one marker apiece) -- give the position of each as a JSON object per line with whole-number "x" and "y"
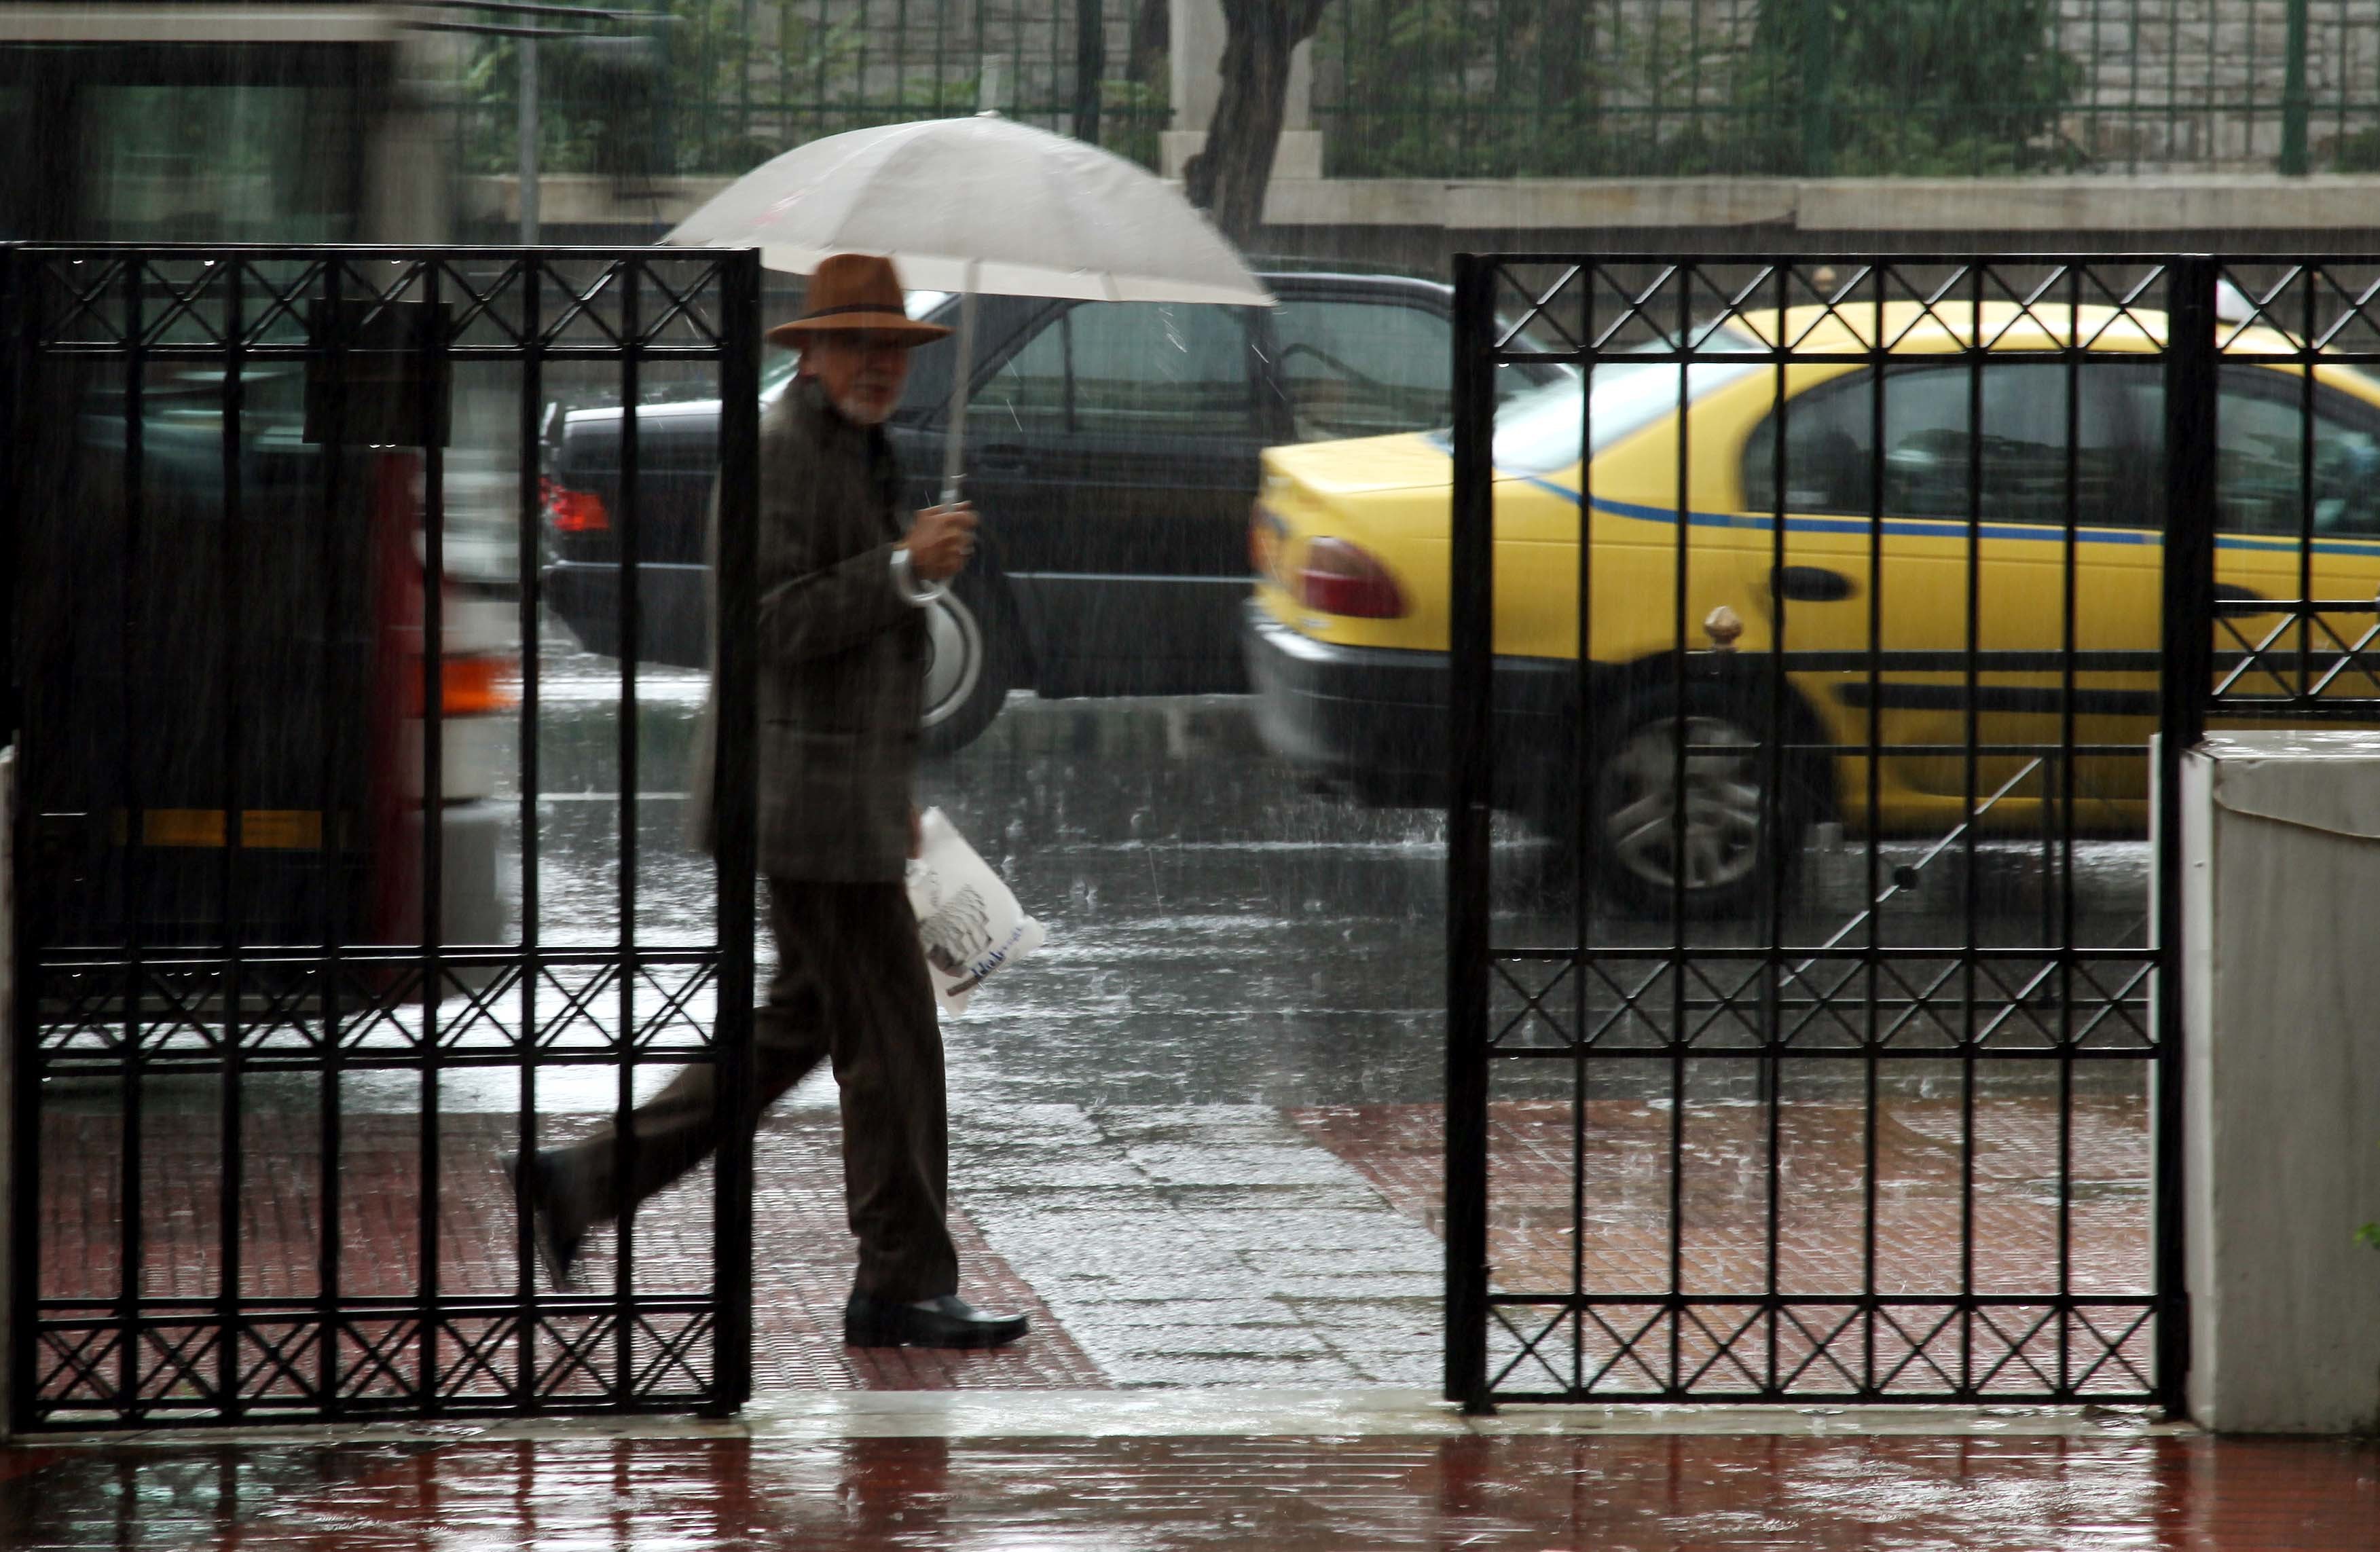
{"x": 1111, "y": 450}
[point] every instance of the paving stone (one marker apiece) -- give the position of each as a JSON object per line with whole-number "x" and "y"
{"x": 1187, "y": 1164}
{"x": 1195, "y": 1311}
{"x": 1185, "y": 1340}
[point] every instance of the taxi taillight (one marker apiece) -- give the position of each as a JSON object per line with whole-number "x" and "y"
{"x": 1264, "y": 539}
{"x": 1337, "y": 577}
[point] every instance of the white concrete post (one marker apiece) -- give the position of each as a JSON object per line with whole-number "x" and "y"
{"x": 2281, "y": 1084}
{"x": 1196, "y": 34}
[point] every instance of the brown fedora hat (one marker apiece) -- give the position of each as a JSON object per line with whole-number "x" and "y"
{"x": 852, "y": 293}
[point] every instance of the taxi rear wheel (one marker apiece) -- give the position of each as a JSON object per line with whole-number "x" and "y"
{"x": 1697, "y": 832}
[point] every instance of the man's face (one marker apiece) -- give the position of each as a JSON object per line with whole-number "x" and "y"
{"x": 861, "y": 371}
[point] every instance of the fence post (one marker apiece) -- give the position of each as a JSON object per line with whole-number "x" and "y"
{"x": 1470, "y": 726}
{"x": 1090, "y": 68}
{"x": 2296, "y": 104}
{"x": 2193, "y": 381}
{"x": 735, "y": 818}
{"x": 1817, "y": 88}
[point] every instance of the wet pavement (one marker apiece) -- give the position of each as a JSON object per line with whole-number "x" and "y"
{"x": 1197, "y": 1137}
{"x": 1513, "y": 1485}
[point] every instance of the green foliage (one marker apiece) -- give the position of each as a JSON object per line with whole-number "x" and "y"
{"x": 1133, "y": 115}
{"x": 2369, "y": 1234}
{"x": 1474, "y": 88}
{"x": 1914, "y": 86}
{"x": 1576, "y": 89}
{"x": 695, "y": 92}
{"x": 2359, "y": 152}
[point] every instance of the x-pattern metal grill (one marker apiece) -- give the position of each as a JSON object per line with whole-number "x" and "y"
{"x": 141, "y": 1297}
{"x": 1881, "y": 1125}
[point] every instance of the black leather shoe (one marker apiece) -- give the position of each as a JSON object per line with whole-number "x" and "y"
{"x": 557, "y": 1246}
{"x": 949, "y": 1321}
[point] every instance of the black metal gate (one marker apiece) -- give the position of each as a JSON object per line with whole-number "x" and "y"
{"x": 1828, "y": 1053}
{"x": 298, "y": 964}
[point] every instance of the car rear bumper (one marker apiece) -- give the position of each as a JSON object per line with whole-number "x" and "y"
{"x": 673, "y": 609}
{"x": 1373, "y": 719}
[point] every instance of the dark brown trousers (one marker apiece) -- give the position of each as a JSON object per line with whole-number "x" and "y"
{"x": 851, "y": 985}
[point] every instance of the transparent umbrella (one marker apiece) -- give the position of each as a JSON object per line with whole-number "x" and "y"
{"x": 973, "y": 205}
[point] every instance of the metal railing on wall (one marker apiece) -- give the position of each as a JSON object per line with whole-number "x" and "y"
{"x": 707, "y": 87}
{"x": 1802, "y": 87}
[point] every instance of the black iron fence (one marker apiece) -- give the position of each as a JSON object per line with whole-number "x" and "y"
{"x": 1825, "y": 620}
{"x": 292, "y": 982}
{"x": 1672, "y": 88}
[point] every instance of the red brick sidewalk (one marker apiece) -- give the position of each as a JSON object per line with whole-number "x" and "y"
{"x": 802, "y": 1260}
{"x": 1502, "y": 1493}
{"x": 1622, "y": 1246}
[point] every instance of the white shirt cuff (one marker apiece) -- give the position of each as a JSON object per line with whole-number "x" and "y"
{"x": 918, "y": 592}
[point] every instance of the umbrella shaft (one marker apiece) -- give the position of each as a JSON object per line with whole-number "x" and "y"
{"x": 962, "y": 374}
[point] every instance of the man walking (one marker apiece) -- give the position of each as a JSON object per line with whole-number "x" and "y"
{"x": 841, "y": 653}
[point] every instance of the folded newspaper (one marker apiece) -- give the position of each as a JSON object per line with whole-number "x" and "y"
{"x": 971, "y": 923}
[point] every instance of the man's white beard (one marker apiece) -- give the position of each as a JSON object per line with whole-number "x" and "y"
{"x": 857, "y": 411}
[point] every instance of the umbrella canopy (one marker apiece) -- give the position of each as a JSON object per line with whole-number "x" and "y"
{"x": 980, "y": 205}
{"x": 973, "y": 205}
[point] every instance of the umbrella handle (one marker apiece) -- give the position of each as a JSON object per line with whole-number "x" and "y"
{"x": 962, "y": 370}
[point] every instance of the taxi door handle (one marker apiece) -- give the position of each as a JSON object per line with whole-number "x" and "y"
{"x": 1814, "y": 584}
{"x": 2226, "y": 592}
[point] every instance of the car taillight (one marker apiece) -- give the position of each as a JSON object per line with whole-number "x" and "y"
{"x": 1338, "y": 578}
{"x": 473, "y": 686}
{"x": 1265, "y": 531}
{"x": 575, "y": 510}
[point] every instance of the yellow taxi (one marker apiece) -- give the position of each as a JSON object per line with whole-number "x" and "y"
{"x": 1347, "y": 629}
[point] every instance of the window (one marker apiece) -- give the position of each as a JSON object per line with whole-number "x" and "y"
{"x": 1363, "y": 368}
{"x": 1539, "y": 424}
{"x": 1927, "y": 462}
{"x": 1172, "y": 369}
{"x": 1028, "y": 392}
{"x": 2260, "y": 448}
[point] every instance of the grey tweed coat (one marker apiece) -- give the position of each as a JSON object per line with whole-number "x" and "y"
{"x": 841, "y": 650}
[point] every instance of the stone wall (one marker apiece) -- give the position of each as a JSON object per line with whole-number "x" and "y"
{"x": 2199, "y": 83}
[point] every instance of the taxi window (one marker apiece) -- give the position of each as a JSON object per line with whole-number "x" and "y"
{"x": 2260, "y": 445}
{"x": 1929, "y": 458}
{"x": 2259, "y": 462}
{"x": 1538, "y": 430}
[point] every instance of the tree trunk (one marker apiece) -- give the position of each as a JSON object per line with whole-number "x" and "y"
{"x": 1152, "y": 38}
{"x": 1227, "y": 177}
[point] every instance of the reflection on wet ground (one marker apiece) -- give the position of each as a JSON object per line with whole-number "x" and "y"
{"x": 1512, "y": 1493}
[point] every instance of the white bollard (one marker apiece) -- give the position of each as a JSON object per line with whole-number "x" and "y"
{"x": 2281, "y": 1083}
